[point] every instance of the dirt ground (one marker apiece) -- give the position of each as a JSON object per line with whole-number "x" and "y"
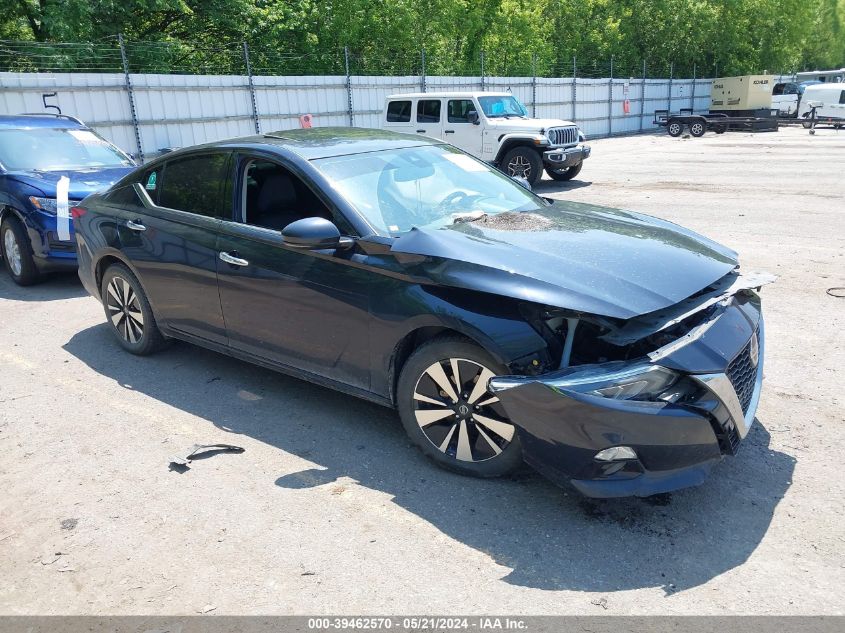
{"x": 330, "y": 510}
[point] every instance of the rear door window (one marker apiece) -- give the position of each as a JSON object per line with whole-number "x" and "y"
{"x": 428, "y": 111}
{"x": 399, "y": 112}
{"x": 842, "y": 97}
{"x": 195, "y": 184}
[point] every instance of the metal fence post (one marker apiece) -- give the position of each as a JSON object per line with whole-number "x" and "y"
{"x": 574, "y": 85}
{"x": 692, "y": 96}
{"x": 482, "y": 71}
{"x": 348, "y": 87}
{"x": 534, "y": 85}
{"x": 610, "y": 100}
{"x": 251, "y": 89}
{"x": 671, "y": 76}
{"x": 132, "y": 110}
{"x": 642, "y": 100}
{"x": 422, "y": 70}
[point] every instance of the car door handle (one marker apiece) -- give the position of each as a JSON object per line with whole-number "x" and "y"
{"x": 135, "y": 225}
{"x": 420, "y": 131}
{"x": 232, "y": 259}
{"x": 449, "y": 131}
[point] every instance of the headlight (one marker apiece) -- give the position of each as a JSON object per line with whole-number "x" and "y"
{"x": 581, "y": 136}
{"x": 634, "y": 382}
{"x": 47, "y": 205}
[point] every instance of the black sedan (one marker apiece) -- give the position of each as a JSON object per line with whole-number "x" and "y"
{"x": 605, "y": 348}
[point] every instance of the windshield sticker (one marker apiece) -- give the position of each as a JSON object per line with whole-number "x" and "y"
{"x": 62, "y": 211}
{"x": 465, "y": 162}
{"x": 151, "y": 182}
{"x": 85, "y": 136}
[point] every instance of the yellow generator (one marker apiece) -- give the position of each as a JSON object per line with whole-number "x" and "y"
{"x": 749, "y": 95}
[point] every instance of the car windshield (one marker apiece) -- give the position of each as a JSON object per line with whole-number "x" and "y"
{"x": 506, "y": 106}
{"x": 431, "y": 186}
{"x": 51, "y": 149}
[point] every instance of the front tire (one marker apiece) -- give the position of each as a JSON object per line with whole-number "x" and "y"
{"x": 448, "y": 412}
{"x": 17, "y": 253}
{"x": 523, "y": 162}
{"x": 567, "y": 173}
{"x": 128, "y": 312}
{"x": 675, "y": 128}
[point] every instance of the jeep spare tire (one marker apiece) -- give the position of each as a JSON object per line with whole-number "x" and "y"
{"x": 523, "y": 162}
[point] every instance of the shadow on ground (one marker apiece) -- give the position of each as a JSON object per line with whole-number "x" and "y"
{"x": 548, "y": 186}
{"x": 550, "y": 538}
{"x": 53, "y": 287}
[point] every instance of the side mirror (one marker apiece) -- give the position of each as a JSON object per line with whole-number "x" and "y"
{"x": 472, "y": 117}
{"x": 523, "y": 181}
{"x": 314, "y": 234}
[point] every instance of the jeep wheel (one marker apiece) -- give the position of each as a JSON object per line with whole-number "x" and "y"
{"x": 523, "y": 162}
{"x": 567, "y": 173}
{"x": 674, "y": 128}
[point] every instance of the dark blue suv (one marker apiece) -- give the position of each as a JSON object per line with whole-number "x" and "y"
{"x": 45, "y": 161}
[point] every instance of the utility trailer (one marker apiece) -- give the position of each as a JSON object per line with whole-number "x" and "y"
{"x": 719, "y": 122}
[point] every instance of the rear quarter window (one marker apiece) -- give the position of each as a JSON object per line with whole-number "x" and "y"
{"x": 195, "y": 184}
{"x": 123, "y": 198}
{"x": 399, "y": 112}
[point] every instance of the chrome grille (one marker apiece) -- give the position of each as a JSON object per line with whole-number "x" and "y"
{"x": 563, "y": 135}
{"x": 742, "y": 373}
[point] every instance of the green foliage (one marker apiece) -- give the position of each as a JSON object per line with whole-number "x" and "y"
{"x": 518, "y": 37}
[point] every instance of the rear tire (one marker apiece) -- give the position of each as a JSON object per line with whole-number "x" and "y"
{"x": 473, "y": 435}
{"x": 523, "y": 162}
{"x": 697, "y": 128}
{"x": 128, "y": 312}
{"x": 17, "y": 253}
{"x": 567, "y": 173}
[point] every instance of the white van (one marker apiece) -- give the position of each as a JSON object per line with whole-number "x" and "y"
{"x": 830, "y": 102}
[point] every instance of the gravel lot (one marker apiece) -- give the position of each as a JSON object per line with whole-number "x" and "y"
{"x": 330, "y": 510}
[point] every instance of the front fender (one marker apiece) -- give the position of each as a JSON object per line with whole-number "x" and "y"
{"x": 514, "y": 139}
{"x": 492, "y": 322}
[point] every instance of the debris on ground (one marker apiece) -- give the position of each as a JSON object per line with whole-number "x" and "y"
{"x": 181, "y": 463}
{"x": 600, "y": 602}
{"x": 69, "y": 524}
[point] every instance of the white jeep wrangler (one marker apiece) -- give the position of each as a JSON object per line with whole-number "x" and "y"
{"x": 493, "y": 126}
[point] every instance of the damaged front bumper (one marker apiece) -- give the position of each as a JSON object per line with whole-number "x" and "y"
{"x": 560, "y": 158}
{"x": 648, "y": 426}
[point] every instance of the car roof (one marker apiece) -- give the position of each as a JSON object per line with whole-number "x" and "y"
{"x": 46, "y": 120}
{"x": 321, "y": 142}
{"x": 455, "y": 94}
{"x": 833, "y": 87}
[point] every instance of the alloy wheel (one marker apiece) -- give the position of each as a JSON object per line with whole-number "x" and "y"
{"x": 697, "y": 129}
{"x": 457, "y": 413}
{"x": 675, "y": 129}
{"x": 13, "y": 252}
{"x": 125, "y": 310}
{"x": 520, "y": 167}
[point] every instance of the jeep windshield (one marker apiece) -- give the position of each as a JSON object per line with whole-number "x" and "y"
{"x": 505, "y": 106}
{"x": 432, "y": 186}
{"x": 54, "y": 149}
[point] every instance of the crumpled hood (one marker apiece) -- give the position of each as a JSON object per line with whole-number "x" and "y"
{"x": 83, "y": 182}
{"x": 515, "y": 124}
{"x": 582, "y": 257}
